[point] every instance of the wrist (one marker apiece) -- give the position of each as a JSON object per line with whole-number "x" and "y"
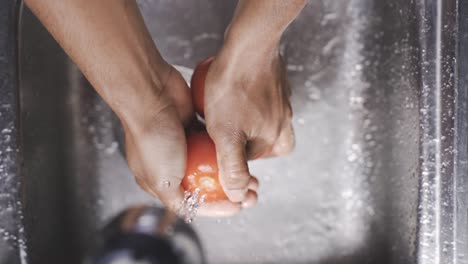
{"x": 251, "y": 41}
{"x": 137, "y": 101}
{"x": 243, "y": 49}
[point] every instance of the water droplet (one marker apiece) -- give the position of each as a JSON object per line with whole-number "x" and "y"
{"x": 166, "y": 184}
{"x": 112, "y": 148}
{"x": 314, "y": 94}
{"x": 356, "y": 101}
{"x": 296, "y": 68}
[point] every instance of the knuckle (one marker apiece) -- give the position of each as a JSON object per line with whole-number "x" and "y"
{"x": 236, "y": 195}
{"x": 287, "y": 148}
{"x": 216, "y": 128}
{"x": 237, "y": 175}
{"x": 286, "y": 144}
{"x": 226, "y": 137}
{"x": 237, "y": 179}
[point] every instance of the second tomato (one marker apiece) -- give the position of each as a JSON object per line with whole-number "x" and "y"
{"x": 198, "y": 85}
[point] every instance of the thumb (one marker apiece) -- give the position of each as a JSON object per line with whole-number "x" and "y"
{"x": 234, "y": 173}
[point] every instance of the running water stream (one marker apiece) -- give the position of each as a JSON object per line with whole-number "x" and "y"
{"x": 189, "y": 207}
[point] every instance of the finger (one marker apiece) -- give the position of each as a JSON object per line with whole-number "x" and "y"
{"x": 260, "y": 152}
{"x": 258, "y": 147}
{"x": 219, "y": 209}
{"x": 250, "y": 199}
{"x": 234, "y": 173}
{"x": 284, "y": 144}
{"x": 253, "y": 184}
{"x": 227, "y": 208}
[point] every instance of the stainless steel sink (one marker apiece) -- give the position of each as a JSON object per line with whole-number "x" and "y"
{"x": 379, "y": 173}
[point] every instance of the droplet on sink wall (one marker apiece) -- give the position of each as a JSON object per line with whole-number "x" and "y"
{"x": 356, "y": 101}
{"x": 112, "y": 148}
{"x": 295, "y": 68}
{"x": 314, "y": 94}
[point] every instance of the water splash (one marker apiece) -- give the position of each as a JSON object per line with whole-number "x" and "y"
{"x": 189, "y": 206}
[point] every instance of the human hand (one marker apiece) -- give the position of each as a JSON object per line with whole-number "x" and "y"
{"x": 155, "y": 139}
{"x": 246, "y": 102}
{"x": 121, "y": 61}
{"x": 156, "y": 147}
{"x": 247, "y": 113}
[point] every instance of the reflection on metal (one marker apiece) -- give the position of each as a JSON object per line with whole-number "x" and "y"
{"x": 12, "y": 241}
{"x": 460, "y": 172}
{"x": 442, "y": 135}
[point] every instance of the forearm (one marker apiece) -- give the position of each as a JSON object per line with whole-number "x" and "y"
{"x": 260, "y": 23}
{"x": 108, "y": 41}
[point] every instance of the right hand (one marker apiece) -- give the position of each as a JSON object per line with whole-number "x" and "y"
{"x": 248, "y": 113}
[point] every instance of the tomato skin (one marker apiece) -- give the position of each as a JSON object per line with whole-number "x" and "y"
{"x": 197, "y": 84}
{"x": 202, "y": 167}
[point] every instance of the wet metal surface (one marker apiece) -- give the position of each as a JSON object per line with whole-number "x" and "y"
{"x": 11, "y": 229}
{"x": 374, "y": 178}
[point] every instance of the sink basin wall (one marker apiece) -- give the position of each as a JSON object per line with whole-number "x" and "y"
{"x": 374, "y": 95}
{"x": 344, "y": 188}
{"x": 11, "y": 228}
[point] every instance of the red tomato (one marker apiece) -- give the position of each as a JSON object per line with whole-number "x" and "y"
{"x": 198, "y": 85}
{"x": 202, "y": 167}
